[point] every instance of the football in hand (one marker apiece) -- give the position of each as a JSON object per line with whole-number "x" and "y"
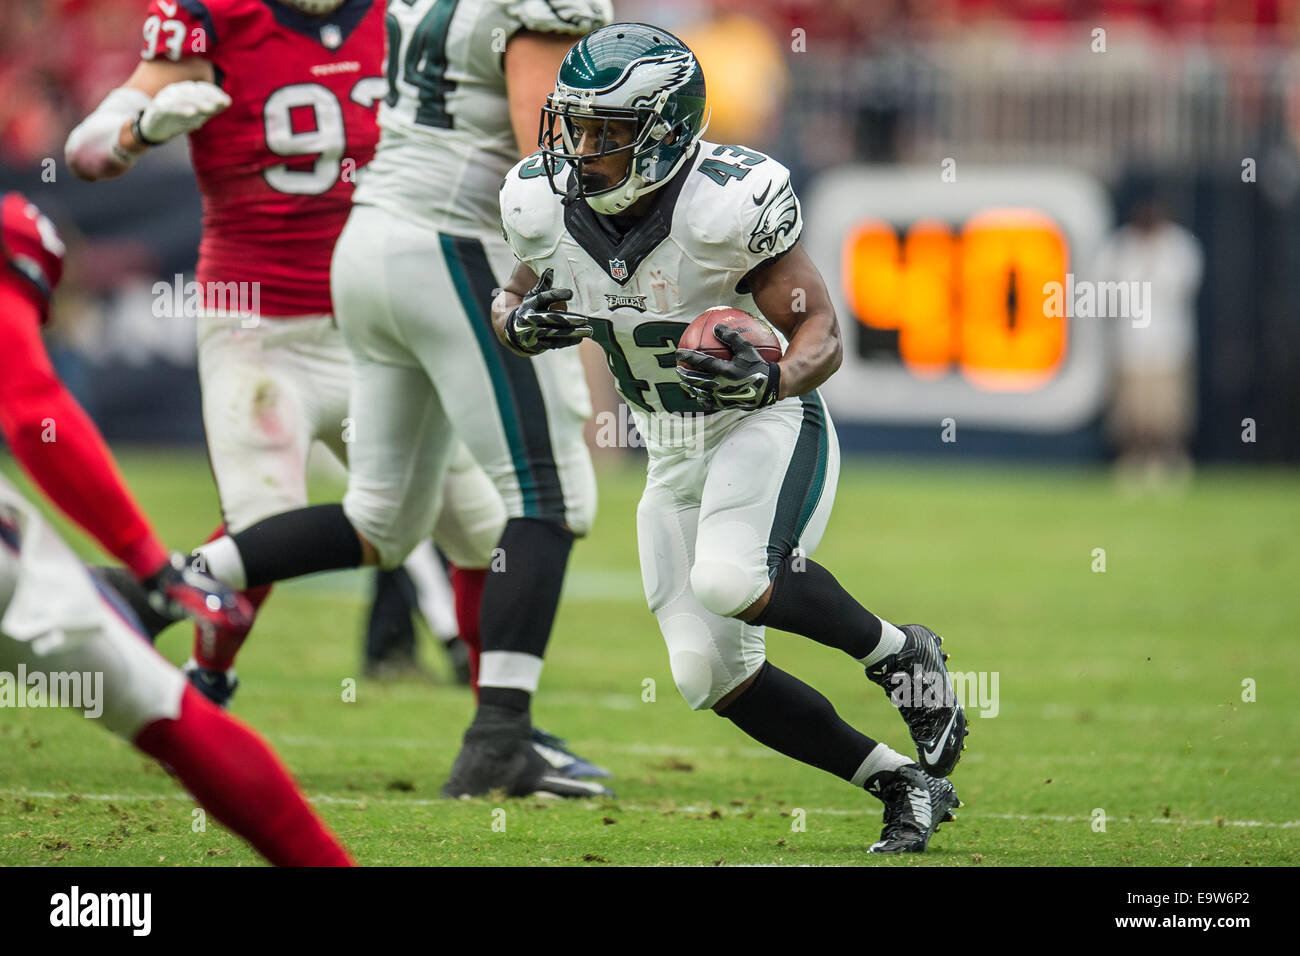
{"x": 699, "y": 334}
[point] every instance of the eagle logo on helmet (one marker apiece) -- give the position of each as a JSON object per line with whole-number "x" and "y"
{"x": 658, "y": 74}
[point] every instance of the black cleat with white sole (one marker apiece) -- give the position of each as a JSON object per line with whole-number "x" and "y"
{"x": 917, "y": 682}
{"x": 216, "y": 686}
{"x": 497, "y": 754}
{"x": 915, "y": 805}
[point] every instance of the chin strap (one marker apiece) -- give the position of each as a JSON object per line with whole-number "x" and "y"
{"x": 637, "y": 191}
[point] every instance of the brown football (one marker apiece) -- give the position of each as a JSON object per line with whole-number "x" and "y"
{"x": 700, "y": 337}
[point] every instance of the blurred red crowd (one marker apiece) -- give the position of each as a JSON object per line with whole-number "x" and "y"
{"x": 59, "y": 57}
{"x": 57, "y": 60}
{"x": 856, "y": 20}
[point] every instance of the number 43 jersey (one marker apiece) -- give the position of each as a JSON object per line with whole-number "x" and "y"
{"x": 446, "y": 136}
{"x": 277, "y": 168}
{"x": 727, "y": 212}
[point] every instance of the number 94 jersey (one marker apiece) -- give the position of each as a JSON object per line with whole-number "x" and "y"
{"x": 277, "y": 168}
{"x": 727, "y": 212}
{"x": 446, "y": 136}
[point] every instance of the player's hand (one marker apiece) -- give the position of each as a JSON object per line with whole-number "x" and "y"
{"x": 177, "y": 590}
{"x": 746, "y": 380}
{"x": 535, "y": 325}
{"x": 179, "y": 108}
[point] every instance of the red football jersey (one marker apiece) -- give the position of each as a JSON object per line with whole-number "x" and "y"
{"x": 276, "y": 169}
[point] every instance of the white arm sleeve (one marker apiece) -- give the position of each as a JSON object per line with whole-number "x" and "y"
{"x": 92, "y": 151}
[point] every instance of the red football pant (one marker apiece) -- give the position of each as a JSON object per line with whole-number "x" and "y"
{"x": 467, "y": 591}
{"x": 239, "y": 780}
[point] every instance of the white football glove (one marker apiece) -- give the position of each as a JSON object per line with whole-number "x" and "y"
{"x": 179, "y": 108}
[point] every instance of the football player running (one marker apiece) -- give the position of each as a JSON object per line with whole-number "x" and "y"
{"x": 412, "y": 278}
{"x": 55, "y": 618}
{"x": 278, "y": 99}
{"x": 645, "y": 226}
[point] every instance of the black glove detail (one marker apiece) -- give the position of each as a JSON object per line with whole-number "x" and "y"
{"x": 746, "y": 380}
{"x": 533, "y": 327}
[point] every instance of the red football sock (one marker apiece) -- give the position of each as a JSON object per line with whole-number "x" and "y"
{"x": 217, "y": 651}
{"x": 240, "y": 781}
{"x": 467, "y": 590}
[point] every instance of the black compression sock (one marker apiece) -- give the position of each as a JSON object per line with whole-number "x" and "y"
{"x": 812, "y": 603}
{"x": 520, "y": 600}
{"x": 782, "y": 712}
{"x": 506, "y": 698}
{"x": 319, "y": 538}
{"x": 390, "y": 632}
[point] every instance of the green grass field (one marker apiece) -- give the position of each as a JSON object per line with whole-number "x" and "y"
{"x": 1119, "y": 692}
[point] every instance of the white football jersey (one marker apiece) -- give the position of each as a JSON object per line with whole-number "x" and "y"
{"x": 445, "y": 135}
{"x": 729, "y": 210}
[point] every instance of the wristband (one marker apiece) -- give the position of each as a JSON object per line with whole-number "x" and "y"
{"x": 772, "y": 394}
{"x": 139, "y": 133}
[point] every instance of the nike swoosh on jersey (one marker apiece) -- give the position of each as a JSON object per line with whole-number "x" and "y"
{"x": 932, "y": 755}
{"x": 761, "y": 198}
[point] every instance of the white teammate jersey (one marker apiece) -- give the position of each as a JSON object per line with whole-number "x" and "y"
{"x": 445, "y": 135}
{"x": 729, "y": 210}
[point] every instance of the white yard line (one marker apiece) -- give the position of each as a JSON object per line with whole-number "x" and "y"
{"x": 636, "y": 808}
{"x": 594, "y": 747}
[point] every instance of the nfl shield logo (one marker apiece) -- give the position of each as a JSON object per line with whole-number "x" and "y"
{"x": 618, "y": 268}
{"x": 331, "y": 36}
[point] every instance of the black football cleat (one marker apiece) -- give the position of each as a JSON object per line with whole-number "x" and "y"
{"x": 216, "y": 686}
{"x": 917, "y": 682}
{"x": 458, "y": 659}
{"x": 123, "y": 583}
{"x": 556, "y": 752}
{"x": 497, "y": 754}
{"x": 915, "y": 805}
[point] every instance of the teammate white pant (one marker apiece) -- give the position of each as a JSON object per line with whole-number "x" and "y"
{"x": 269, "y": 391}
{"x": 413, "y": 305}
{"x": 55, "y": 621}
{"x": 714, "y": 523}
{"x": 272, "y": 388}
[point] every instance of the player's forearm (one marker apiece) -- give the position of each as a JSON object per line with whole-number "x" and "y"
{"x": 504, "y": 303}
{"x": 102, "y": 145}
{"x": 531, "y": 62}
{"x": 814, "y": 353}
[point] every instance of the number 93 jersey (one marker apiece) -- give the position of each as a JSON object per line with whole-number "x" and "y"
{"x": 446, "y": 137}
{"x": 277, "y": 168}
{"x": 727, "y": 212}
